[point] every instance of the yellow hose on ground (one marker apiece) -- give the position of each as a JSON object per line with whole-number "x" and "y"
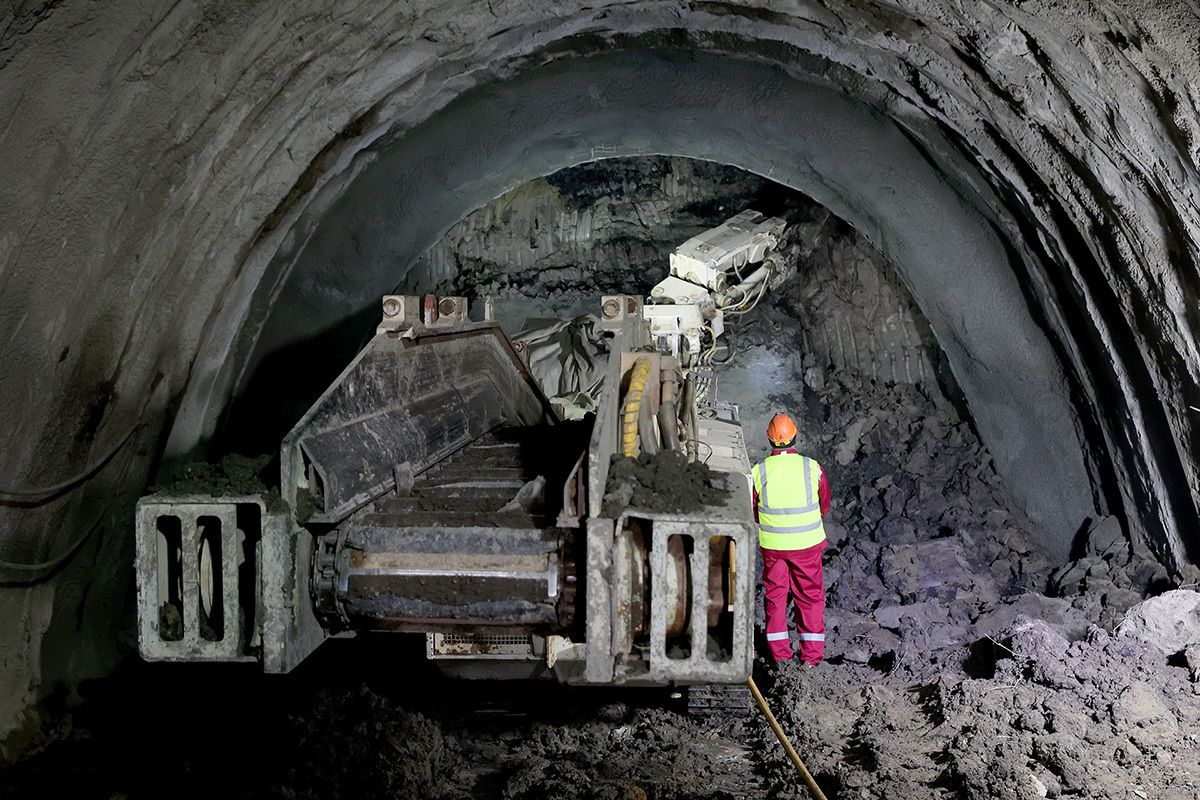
{"x": 633, "y": 405}
{"x": 783, "y": 739}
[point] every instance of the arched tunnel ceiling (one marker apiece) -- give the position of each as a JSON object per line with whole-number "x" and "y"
{"x": 161, "y": 170}
{"x": 720, "y": 108}
{"x": 415, "y": 183}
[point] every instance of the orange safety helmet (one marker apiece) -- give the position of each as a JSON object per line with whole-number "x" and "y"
{"x": 782, "y": 430}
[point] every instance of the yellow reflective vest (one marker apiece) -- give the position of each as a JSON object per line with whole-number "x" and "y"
{"x": 789, "y": 503}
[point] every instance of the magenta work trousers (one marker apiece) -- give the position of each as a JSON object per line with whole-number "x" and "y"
{"x": 798, "y": 573}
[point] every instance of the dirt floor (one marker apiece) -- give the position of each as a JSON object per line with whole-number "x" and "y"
{"x": 960, "y": 664}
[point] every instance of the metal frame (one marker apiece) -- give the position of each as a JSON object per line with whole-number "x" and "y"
{"x": 285, "y": 629}
{"x": 150, "y": 579}
{"x": 359, "y": 396}
{"x": 698, "y": 666}
{"x": 506, "y": 646}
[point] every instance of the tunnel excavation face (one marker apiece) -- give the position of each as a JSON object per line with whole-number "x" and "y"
{"x": 944, "y": 232}
{"x": 1020, "y": 346}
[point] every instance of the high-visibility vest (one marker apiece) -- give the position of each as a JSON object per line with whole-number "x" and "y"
{"x": 789, "y": 502}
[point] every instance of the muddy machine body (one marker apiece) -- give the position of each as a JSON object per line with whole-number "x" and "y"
{"x": 434, "y": 488}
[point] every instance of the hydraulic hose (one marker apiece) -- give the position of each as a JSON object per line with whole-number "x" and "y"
{"x": 646, "y": 435}
{"x": 668, "y": 423}
{"x": 688, "y": 403}
{"x": 783, "y": 739}
{"x": 631, "y": 410}
{"x": 668, "y": 415}
{"x": 693, "y": 426}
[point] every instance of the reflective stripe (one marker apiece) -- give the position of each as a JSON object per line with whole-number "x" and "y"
{"x": 812, "y": 637}
{"x": 804, "y": 510}
{"x": 776, "y": 637}
{"x": 762, "y": 481}
{"x": 765, "y": 505}
{"x": 807, "y": 481}
{"x": 796, "y": 529}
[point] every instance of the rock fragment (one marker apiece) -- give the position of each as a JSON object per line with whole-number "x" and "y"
{"x": 1170, "y": 622}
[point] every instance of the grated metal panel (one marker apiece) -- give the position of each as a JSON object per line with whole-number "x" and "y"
{"x": 480, "y": 645}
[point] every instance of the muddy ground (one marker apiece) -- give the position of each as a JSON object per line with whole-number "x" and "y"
{"x": 960, "y": 664}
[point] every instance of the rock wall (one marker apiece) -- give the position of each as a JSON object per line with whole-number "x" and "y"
{"x": 555, "y": 245}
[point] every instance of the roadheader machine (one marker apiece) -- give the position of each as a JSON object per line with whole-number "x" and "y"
{"x": 434, "y": 488}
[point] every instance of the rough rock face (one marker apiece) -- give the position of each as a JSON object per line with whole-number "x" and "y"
{"x": 608, "y": 227}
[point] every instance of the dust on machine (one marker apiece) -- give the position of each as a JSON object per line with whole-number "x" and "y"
{"x": 435, "y": 488}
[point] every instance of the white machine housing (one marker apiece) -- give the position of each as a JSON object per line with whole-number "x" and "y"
{"x": 707, "y": 258}
{"x": 699, "y": 288}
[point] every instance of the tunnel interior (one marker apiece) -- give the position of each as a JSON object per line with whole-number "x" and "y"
{"x": 933, "y": 567}
{"x": 987, "y": 335}
{"x": 982, "y": 314}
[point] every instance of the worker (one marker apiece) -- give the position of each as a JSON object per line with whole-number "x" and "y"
{"x": 791, "y": 495}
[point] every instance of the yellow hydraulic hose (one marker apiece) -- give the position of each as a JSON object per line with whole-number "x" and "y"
{"x": 632, "y": 407}
{"x": 783, "y": 739}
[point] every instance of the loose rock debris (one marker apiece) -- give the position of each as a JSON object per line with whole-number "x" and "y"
{"x": 665, "y": 481}
{"x": 961, "y": 664}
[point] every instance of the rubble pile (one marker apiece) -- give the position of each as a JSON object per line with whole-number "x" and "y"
{"x": 961, "y": 663}
{"x": 1106, "y": 716}
{"x": 233, "y": 474}
{"x": 1113, "y": 574}
{"x": 924, "y": 542}
{"x": 964, "y": 660}
{"x": 664, "y": 481}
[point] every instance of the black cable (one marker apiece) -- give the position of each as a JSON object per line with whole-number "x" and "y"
{"x": 48, "y": 566}
{"x": 711, "y": 450}
{"x": 33, "y": 495}
{"x": 44, "y": 568}
{"x": 728, "y": 348}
